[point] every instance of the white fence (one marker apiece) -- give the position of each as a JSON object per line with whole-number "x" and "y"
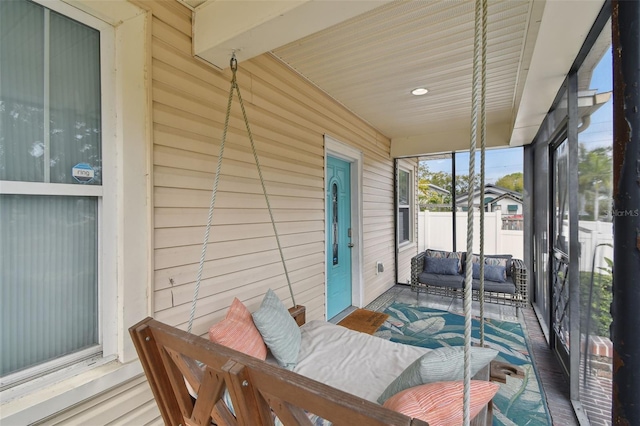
{"x": 435, "y": 230}
{"x": 590, "y": 235}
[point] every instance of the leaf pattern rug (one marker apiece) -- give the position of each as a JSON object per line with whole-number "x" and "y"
{"x": 518, "y": 402}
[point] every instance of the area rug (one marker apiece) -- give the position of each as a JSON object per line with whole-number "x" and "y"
{"x": 364, "y": 320}
{"x": 519, "y": 401}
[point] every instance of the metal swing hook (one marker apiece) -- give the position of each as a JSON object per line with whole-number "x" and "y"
{"x": 233, "y": 63}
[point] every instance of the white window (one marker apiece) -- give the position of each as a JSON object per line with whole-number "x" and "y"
{"x": 52, "y": 190}
{"x": 405, "y": 194}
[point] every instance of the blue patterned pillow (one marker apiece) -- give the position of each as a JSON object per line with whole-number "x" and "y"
{"x": 476, "y": 270}
{"x": 442, "y": 266}
{"x": 440, "y": 365}
{"x": 495, "y": 273}
{"x": 491, "y": 273}
{"x": 440, "y": 254}
{"x": 279, "y": 330}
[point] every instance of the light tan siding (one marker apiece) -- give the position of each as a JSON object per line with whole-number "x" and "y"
{"x": 289, "y": 118}
{"x": 129, "y": 404}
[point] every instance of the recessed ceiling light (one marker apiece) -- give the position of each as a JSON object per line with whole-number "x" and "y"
{"x": 419, "y": 91}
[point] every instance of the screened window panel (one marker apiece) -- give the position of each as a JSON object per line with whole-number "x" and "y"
{"x": 403, "y": 225}
{"x": 48, "y": 271}
{"x": 21, "y": 91}
{"x": 50, "y": 121}
{"x": 32, "y": 149}
{"x": 74, "y": 99}
{"x": 403, "y": 187}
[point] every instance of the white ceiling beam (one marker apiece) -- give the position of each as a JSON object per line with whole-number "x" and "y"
{"x": 563, "y": 29}
{"x": 255, "y": 27}
{"x": 448, "y": 140}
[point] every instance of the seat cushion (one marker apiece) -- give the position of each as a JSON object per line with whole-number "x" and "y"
{"x": 453, "y": 281}
{"x": 506, "y": 287}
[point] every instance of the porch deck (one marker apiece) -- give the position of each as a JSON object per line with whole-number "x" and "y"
{"x": 554, "y": 383}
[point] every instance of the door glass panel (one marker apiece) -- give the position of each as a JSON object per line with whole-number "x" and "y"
{"x": 334, "y": 222}
{"x": 541, "y": 235}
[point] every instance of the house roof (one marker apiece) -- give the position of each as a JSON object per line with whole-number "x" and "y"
{"x": 508, "y": 195}
{"x": 491, "y": 189}
{"x": 438, "y": 189}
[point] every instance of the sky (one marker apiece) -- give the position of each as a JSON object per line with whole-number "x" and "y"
{"x": 501, "y": 162}
{"x": 600, "y": 131}
{"x": 498, "y": 163}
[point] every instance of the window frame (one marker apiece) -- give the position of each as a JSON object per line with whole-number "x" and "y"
{"x": 105, "y": 222}
{"x": 126, "y": 262}
{"x": 409, "y": 207}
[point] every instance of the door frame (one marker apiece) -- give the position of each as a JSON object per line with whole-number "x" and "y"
{"x": 342, "y": 151}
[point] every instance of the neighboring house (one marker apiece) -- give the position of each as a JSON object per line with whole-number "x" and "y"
{"x": 509, "y": 203}
{"x": 107, "y": 167}
{"x": 495, "y": 197}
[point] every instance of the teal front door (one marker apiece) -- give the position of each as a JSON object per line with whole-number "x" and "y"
{"x": 338, "y": 220}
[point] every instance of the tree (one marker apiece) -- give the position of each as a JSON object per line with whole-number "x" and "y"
{"x": 464, "y": 184}
{"x": 443, "y": 180}
{"x": 595, "y": 175}
{"x": 426, "y": 194}
{"x": 512, "y": 181}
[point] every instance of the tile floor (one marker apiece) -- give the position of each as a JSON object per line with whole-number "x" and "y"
{"x": 555, "y": 386}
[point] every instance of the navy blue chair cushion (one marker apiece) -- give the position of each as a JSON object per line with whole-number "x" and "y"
{"x": 441, "y": 266}
{"x": 452, "y": 281}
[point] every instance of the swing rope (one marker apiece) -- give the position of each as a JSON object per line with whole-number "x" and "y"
{"x": 479, "y": 33}
{"x": 483, "y": 144}
{"x": 234, "y": 85}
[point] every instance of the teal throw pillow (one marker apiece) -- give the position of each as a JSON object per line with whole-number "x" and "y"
{"x": 279, "y": 330}
{"x": 440, "y": 365}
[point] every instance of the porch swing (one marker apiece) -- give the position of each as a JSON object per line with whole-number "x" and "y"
{"x": 258, "y": 390}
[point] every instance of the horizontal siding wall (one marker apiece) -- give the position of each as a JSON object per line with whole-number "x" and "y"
{"x": 288, "y": 118}
{"x": 409, "y": 250}
{"x": 129, "y": 404}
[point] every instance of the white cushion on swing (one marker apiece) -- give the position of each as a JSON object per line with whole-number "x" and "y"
{"x": 357, "y": 363}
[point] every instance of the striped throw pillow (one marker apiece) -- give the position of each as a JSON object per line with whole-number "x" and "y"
{"x": 237, "y": 331}
{"x": 279, "y": 330}
{"x": 439, "y": 365}
{"x": 440, "y": 403}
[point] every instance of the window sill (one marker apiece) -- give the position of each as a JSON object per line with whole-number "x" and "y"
{"x": 20, "y": 407}
{"x": 406, "y": 245}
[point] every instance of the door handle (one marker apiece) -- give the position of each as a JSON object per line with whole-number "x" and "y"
{"x": 350, "y": 245}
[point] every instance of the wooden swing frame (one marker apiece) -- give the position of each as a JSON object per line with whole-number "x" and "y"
{"x": 171, "y": 357}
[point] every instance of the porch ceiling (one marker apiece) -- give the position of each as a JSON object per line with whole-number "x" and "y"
{"x": 372, "y": 61}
